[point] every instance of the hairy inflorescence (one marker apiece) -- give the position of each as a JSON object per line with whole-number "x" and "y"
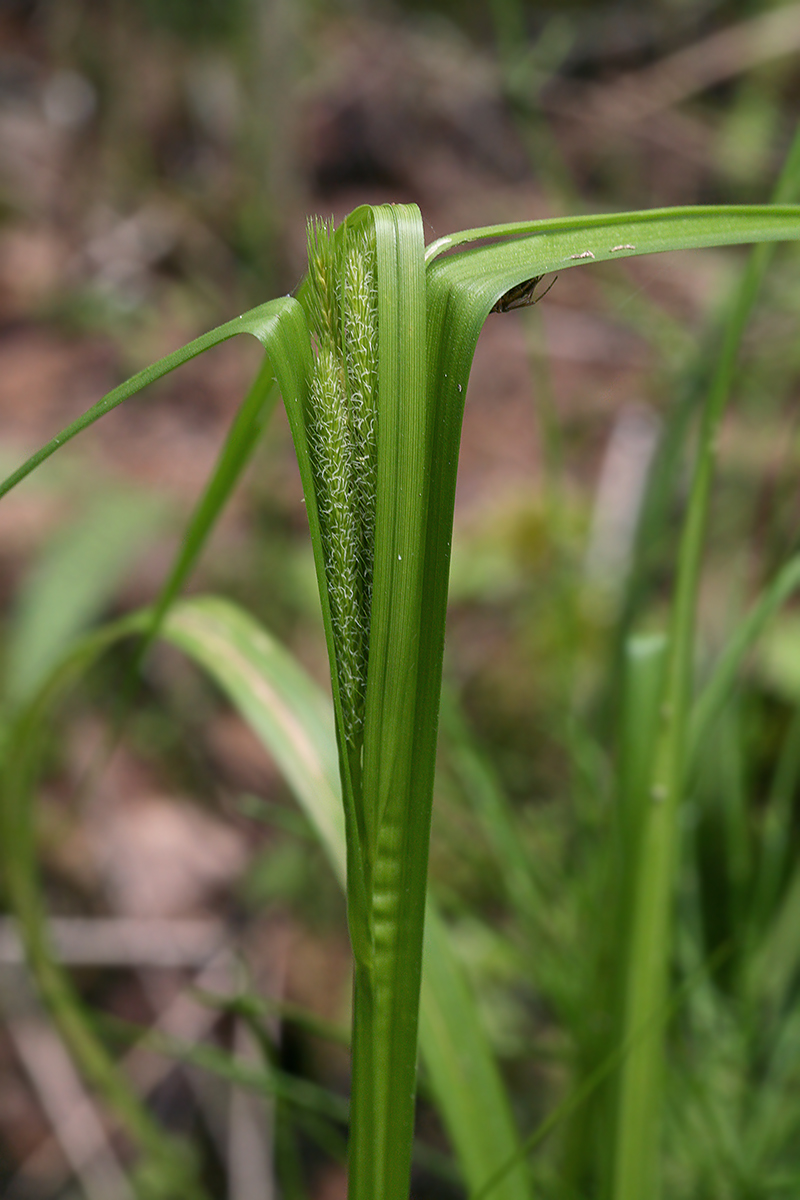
{"x": 343, "y": 312}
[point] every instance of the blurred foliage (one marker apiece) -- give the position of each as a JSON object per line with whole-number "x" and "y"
{"x": 195, "y": 20}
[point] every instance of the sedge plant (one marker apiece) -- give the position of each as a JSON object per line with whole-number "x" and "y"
{"x": 372, "y": 359}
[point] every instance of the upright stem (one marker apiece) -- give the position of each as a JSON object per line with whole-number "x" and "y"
{"x": 369, "y": 431}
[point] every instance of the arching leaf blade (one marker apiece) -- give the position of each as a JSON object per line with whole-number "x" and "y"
{"x": 260, "y": 322}
{"x": 286, "y": 368}
{"x": 647, "y": 231}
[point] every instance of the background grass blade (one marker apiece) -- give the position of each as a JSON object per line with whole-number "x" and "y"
{"x": 477, "y": 1110}
{"x": 722, "y": 681}
{"x": 289, "y": 714}
{"x": 589, "y": 1145}
{"x": 74, "y": 579}
{"x": 166, "y": 1169}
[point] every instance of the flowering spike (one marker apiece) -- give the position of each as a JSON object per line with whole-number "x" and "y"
{"x": 342, "y": 305}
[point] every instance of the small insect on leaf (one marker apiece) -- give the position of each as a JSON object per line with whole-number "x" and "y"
{"x": 521, "y": 295}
